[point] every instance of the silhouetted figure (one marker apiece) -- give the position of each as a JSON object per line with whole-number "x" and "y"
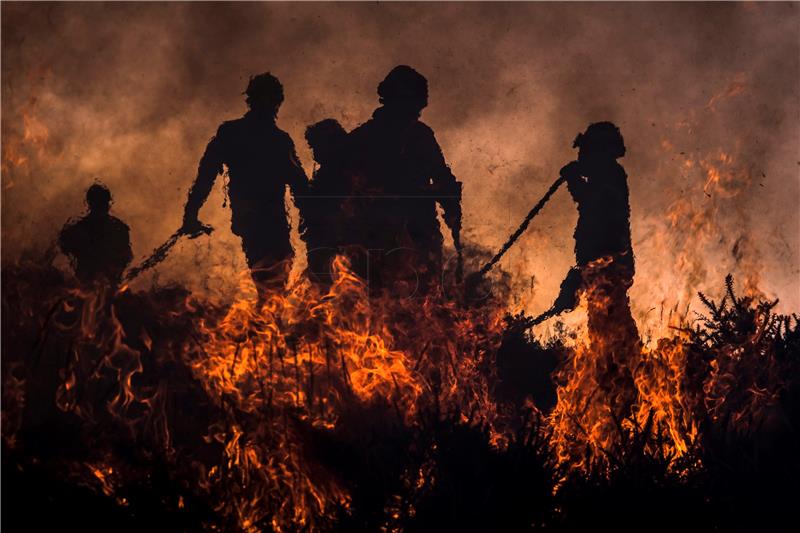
{"x": 599, "y": 186}
{"x": 261, "y": 161}
{"x": 98, "y": 244}
{"x": 605, "y": 262}
{"x": 324, "y": 219}
{"x": 398, "y": 175}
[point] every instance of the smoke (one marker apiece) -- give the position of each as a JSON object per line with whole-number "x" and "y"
{"x": 130, "y": 93}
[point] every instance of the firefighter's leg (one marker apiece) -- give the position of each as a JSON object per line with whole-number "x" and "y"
{"x": 269, "y": 261}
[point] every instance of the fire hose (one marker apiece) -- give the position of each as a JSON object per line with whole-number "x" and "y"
{"x": 565, "y": 299}
{"x": 160, "y": 253}
{"x": 520, "y": 230}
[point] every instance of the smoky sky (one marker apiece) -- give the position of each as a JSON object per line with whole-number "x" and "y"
{"x": 706, "y": 96}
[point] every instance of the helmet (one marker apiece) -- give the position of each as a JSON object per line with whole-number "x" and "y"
{"x": 601, "y": 137}
{"x": 404, "y": 84}
{"x": 325, "y": 132}
{"x": 326, "y": 138}
{"x": 264, "y": 90}
{"x": 98, "y": 197}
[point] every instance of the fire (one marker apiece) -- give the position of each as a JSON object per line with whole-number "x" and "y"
{"x": 592, "y": 417}
{"x": 309, "y": 355}
{"x": 614, "y": 386}
{"x": 666, "y": 396}
{"x": 293, "y": 355}
{"x": 242, "y": 400}
{"x": 724, "y": 176}
{"x": 725, "y": 179}
{"x": 273, "y": 371}
{"x": 746, "y": 378}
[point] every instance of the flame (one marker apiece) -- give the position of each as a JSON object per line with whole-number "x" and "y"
{"x": 725, "y": 179}
{"x": 310, "y": 354}
{"x": 273, "y": 368}
{"x": 693, "y": 228}
{"x": 724, "y": 176}
{"x": 614, "y": 386}
{"x": 296, "y": 365}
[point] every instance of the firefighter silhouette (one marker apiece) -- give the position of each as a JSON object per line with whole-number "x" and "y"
{"x": 603, "y": 249}
{"x": 324, "y": 220}
{"x": 97, "y": 244}
{"x": 261, "y": 162}
{"x": 398, "y": 174}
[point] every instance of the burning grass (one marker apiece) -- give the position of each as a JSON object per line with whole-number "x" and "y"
{"x": 335, "y": 411}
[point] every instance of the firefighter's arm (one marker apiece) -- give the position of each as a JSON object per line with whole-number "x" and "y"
{"x": 298, "y": 183}
{"x": 576, "y": 183}
{"x": 119, "y": 245}
{"x": 296, "y": 176}
{"x": 446, "y": 187}
{"x": 126, "y": 255}
{"x": 451, "y": 207}
{"x": 208, "y": 169}
{"x": 66, "y": 240}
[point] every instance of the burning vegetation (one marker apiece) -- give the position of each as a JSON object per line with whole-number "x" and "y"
{"x": 330, "y": 410}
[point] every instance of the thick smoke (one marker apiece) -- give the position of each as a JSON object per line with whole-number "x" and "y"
{"x": 130, "y": 94}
